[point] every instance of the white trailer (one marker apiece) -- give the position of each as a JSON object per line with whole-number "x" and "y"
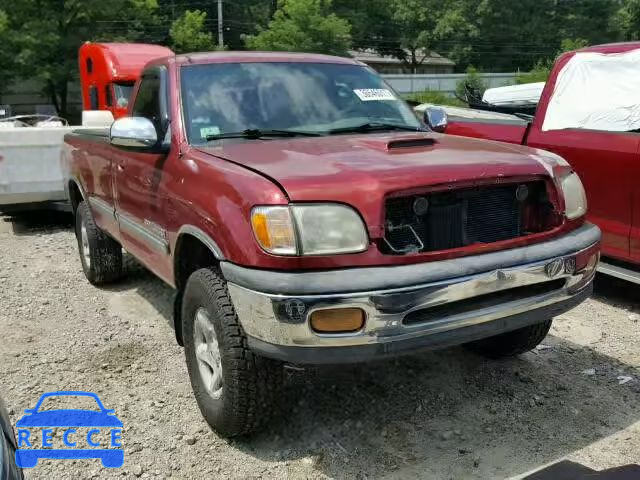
{"x": 31, "y": 174}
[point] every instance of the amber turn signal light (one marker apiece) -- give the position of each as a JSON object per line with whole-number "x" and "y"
{"x": 337, "y": 320}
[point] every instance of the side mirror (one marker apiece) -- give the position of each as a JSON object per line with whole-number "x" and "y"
{"x": 436, "y": 119}
{"x": 136, "y": 133}
{"x": 29, "y": 411}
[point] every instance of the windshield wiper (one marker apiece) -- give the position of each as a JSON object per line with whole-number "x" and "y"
{"x": 256, "y": 134}
{"x": 375, "y": 127}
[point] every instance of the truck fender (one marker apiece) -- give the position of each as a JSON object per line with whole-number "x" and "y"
{"x": 69, "y": 191}
{"x": 203, "y": 237}
{"x": 215, "y": 251}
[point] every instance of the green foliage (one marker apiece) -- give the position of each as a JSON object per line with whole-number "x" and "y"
{"x": 539, "y": 73}
{"x": 473, "y": 81}
{"x": 241, "y": 18}
{"x": 626, "y": 20}
{"x": 188, "y": 33}
{"x": 6, "y": 53}
{"x": 569, "y": 44}
{"x": 587, "y": 19}
{"x": 304, "y": 26}
{"x": 369, "y": 19}
{"x": 437, "y": 98}
{"x": 40, "y": 38}
{"x": 421, "y": 26}
{"x": 46, "y": 34}
{"x": 541, "y": 70}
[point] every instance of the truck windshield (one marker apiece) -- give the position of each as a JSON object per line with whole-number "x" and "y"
{"x": 123, "y": 93}
{"x": 321, "y": 98}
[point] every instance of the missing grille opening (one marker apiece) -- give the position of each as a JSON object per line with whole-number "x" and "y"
{"x": 454, "y": 219}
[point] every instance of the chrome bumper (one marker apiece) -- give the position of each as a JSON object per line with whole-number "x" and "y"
{"x": 410, "y": 314}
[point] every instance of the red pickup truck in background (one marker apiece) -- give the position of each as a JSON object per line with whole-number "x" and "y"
{"x": 304, "y": 215}
{"x": 599, "y": 148}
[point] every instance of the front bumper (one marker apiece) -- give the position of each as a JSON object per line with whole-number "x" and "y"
{"x": 413, "y": 307}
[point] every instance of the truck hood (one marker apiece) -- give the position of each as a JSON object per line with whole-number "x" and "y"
{"x": 332, "y": 167}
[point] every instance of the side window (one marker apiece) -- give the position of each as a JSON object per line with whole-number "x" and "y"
{"x": 107, "y": 95}
{"x": 147, "y": 102}
{"x": 93, "y": 97}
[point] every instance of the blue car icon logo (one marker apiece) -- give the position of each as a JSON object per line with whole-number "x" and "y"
{"x": 97, "y": 423}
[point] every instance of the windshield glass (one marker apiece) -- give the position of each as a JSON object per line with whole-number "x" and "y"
{"x": 123, "y": 93}
{"x": 228, "y": 98}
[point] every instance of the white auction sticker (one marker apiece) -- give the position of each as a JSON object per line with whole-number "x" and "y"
{"x": 368, "y": 94}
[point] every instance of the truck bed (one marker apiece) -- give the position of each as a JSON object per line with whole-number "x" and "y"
{"x": 469, "y": 122}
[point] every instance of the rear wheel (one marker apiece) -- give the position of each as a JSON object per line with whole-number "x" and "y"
{"x": 512, "y": 343}
{"x": 101, "y": 255}
{"x": 236, "y": 390}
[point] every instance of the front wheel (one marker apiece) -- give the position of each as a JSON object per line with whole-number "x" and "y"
{"x": 237, "y": 391}
{"x": 512, "y": 343}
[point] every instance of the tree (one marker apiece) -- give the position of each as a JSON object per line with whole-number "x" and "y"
{"x": 419, "y": 27}
{"x": 626, "y": 20}
{"x": 188, "y": 33}
{"x": 541, "y": 70}
{"x": 48, "y": 33}
{"x": 512, "y": 35}
{"x": 304, "y": 26}
{"x": 241, "y": 18}
{"x": 369, "y": 19}
{"x": 472, "y": 83}
{"x": 588, "y": 20}
{"x": 6, "y": 53}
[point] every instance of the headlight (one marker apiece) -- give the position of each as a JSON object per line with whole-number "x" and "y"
{"x": 311, "y": 229}
{"x": 329, "y": 229}
{"x": 575, "y": 199}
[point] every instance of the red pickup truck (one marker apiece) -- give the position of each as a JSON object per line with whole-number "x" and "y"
{"x": 588, "y": 115}
{"x": 304, "y": 215}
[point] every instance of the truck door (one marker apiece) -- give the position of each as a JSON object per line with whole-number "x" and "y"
{"x": 608, "y": 164}
{"x": 98, "y": 176}
{"x": 138, "y": 177}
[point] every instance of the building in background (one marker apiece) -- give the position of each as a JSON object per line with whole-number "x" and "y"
{"x": 431, "y": 62}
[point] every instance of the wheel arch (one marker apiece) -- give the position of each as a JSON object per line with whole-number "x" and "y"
{"x": 75, "y": 194}
{"x": 194, "y": 249}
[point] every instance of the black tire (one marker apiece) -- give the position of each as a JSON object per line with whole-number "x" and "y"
{"x": 103, "y": 261}
{"x": 512, "y": 343}
{"x": 251, "y": 385}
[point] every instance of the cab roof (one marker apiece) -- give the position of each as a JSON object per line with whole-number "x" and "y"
{"x": 612, "y": 47}
{"x": 253, "y": 57}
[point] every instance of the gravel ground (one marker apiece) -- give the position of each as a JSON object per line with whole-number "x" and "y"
{"x": 447, "y": 414}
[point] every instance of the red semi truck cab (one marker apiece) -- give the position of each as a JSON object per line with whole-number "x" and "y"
{"x": 594, "y": 106}
{"x": 108, "y": 72}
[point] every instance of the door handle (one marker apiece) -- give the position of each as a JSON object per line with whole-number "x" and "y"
{"x": 120, "y": 167}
